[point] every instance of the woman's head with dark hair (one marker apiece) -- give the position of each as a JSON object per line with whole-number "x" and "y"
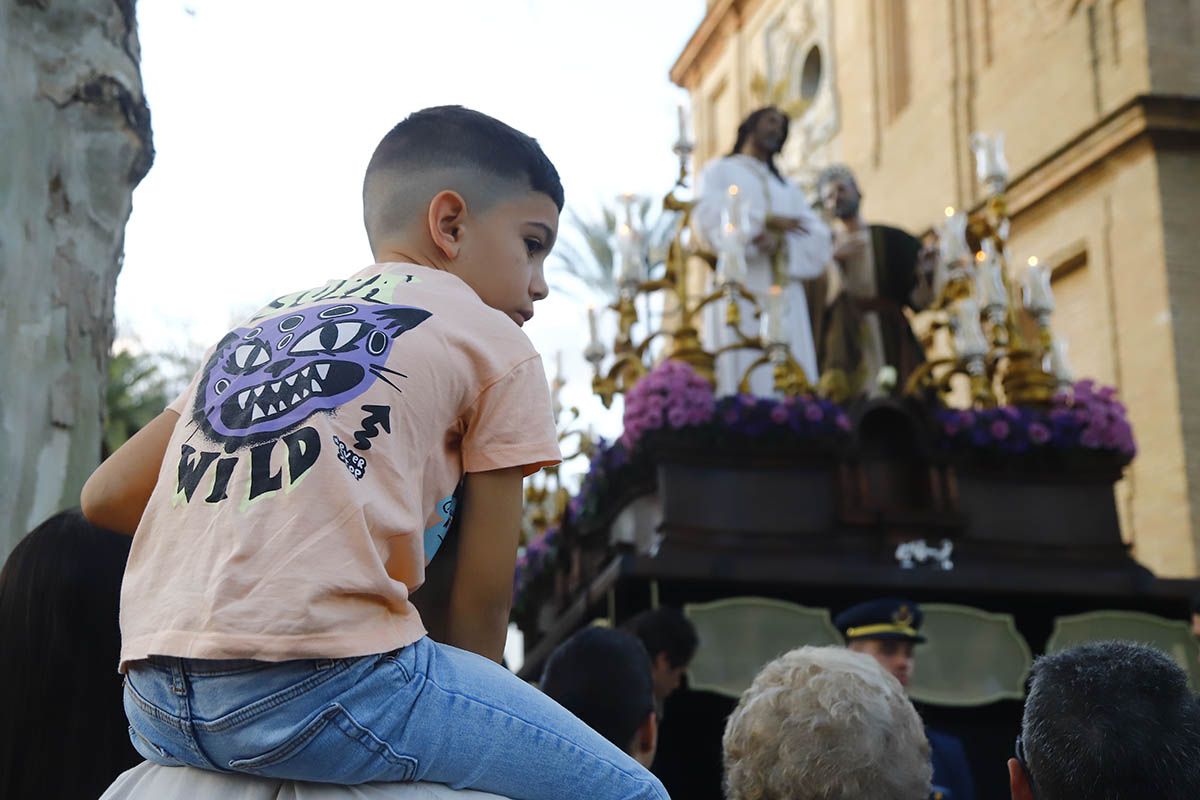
{"x": 764, "y": 132}
{"x": 63, "y": 732}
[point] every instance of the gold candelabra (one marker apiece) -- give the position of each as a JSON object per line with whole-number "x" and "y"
{"x": 546, "y": 497}
{"x": 630, "y": 357}
{"x": 981, "y": 305}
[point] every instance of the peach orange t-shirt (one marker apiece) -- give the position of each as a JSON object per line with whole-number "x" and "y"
{"x": 313, "y": 471}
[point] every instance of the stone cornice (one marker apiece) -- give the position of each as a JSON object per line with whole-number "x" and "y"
{"x": 708, "y": 40}
{"x": 1166, "y": 119}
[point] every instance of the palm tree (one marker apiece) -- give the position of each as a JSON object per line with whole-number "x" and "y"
{"x": 587, "y": 254}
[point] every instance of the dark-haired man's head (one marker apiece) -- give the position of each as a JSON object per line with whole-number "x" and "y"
{"x": 762, "y": 133}
{"x": 670, "y": 639}
{"x": 1108, "y": 721}
{"x": 454, "y": 189}
{"x": 602, "y": 676}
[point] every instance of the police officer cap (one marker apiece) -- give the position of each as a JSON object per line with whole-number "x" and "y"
{"x": 887, "y": 618}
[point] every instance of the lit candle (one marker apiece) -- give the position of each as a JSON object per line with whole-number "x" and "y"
{"x": 594, "y": 337}
{"x": 731, "y": 250}
{"x": 772, "y": 322}
{"x": 990, "y": 164}
{"x": 969, "y": 340}
{"x": 734, "y": 217}
{"x": 1038, "y": 296}
{"x": 558, "y": 365}
{"x": 683, "y": 134}
{"x": 1060, "y": 367}
{"x": 952, "y": 241}
{"x": 627, "y": 250}
{"x": 731, "y": 264}
{"x": 989, "y": 280}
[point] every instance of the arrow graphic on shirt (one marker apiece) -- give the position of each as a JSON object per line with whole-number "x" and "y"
{"x": 377, "y": 417}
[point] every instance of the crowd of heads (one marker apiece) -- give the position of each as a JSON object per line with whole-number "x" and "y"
{"x": 1102, "y": 721}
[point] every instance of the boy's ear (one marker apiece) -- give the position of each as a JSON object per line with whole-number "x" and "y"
{"x": 447, "y": 213}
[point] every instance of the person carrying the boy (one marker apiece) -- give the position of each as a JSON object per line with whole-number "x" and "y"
{"x": 287, "y": 504}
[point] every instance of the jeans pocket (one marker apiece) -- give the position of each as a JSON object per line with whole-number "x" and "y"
{"x": 332, "y": 748}
{"x": 151, "y": 751}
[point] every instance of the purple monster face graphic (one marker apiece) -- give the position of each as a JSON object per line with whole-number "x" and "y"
{"x": 263, "y": 381}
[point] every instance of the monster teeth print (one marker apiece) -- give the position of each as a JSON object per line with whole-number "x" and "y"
{"x": 263, "y": 381}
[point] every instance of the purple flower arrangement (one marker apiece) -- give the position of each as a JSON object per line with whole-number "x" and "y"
{"x": 672, "y": 397}
{"x": 533, "y": 561}
{"x": 807, "y": 418}
{"x": 611, "y": 470}
{"x": 673, "y": 405}
{"x": 1086, "y": 419}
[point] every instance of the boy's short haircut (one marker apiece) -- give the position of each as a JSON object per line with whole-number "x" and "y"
{"x": 603, "y": 677}
{"x": 450, "y": 147}
{"x": 665, "y": 630}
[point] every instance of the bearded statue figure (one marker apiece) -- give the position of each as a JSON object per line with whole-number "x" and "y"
{"x": 865, "y": 345}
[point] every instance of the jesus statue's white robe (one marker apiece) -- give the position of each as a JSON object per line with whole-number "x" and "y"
{"x": 806, "y": 255}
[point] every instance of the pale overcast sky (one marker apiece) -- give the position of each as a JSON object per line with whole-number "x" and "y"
{"x": 265, "y": 114}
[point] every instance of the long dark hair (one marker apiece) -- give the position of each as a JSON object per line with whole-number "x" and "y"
{"x": 747, "y": 127}
{"x": 63, "y": 733}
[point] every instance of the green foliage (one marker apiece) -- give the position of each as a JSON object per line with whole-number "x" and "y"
{"x": 140, "y": 385}
{"x": 136, "y": 393}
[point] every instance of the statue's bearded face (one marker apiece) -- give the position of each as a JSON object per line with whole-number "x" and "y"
{"x": 841, "y": 198}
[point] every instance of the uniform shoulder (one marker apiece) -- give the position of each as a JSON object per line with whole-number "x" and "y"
{"x": 944, "y": 742}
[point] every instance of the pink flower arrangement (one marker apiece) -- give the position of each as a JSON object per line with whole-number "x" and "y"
{"x": 671, "y": 395}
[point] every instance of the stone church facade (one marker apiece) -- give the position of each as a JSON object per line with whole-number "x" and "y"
{"x": 1099, "y": 101}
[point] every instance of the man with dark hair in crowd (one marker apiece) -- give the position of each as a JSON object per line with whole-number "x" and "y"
{"x": 603, "y": 677}
{"x": 1107, "y": 721}
{"x": 671, "y": 640}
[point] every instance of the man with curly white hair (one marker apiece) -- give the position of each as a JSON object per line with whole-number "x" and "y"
{"x": 823, "y": 723}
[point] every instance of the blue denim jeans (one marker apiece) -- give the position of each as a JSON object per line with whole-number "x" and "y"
{"x": 425, "y": 712}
